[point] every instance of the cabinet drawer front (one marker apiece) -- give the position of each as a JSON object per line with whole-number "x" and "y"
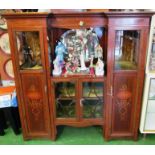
{"x": 35, "y": 104}
{"x": 151, "y": 106}
{"x": 150, "y": 121}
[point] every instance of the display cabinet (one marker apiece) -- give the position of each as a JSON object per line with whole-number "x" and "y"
{"x": 79, "y": 69}
{"x": 147, "y": 124}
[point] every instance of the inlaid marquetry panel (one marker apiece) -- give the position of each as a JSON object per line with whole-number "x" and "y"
{"x": 35, "y": 102}
{"x": 123, "y": 103}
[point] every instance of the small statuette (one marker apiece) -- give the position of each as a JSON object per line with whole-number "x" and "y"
{"x": 58, "y": 63}
{"x": 57, "y": 67}
{"x": 99, "y": 69}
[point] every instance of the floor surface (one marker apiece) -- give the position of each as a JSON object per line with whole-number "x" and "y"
{"x": 70, "y": 135}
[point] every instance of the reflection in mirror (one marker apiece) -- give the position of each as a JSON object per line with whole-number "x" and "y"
{"x": 29, "y": 51}
{"x": 126, "y": 49}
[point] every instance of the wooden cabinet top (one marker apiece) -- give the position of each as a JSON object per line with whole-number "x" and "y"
{"x": 72, "y": 20}
{"x": 79, "y": 14}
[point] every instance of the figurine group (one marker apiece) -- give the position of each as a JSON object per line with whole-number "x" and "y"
{"x": 74, "y": 49}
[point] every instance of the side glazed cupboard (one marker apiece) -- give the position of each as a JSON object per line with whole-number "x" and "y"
{"x": 112, "y": 101}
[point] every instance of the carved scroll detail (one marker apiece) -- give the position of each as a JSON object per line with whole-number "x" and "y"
{"x": 123, "y": 99}
{"x": 35, "y": 102}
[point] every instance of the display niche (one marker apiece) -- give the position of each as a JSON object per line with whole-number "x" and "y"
{"x": 78, "y": 52}
{"x": 126, "y": 49}
{"x": 29, "y": 52}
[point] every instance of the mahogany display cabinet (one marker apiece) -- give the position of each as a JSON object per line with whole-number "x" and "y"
{"x": 111, "y": 100}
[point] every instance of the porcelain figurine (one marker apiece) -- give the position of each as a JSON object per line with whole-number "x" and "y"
{"x": 82, "y": 62}
{"x": 58, "y": 63}
{"x": 57, "y": 67}
{"x": 99, "y": 69}
{"x": 98, "y": 51}
{"x": 81, "y": 38}
{"x": 60, "y": 50}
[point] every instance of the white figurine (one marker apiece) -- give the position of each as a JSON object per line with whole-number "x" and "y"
{"x": 99, "y": 69}
{"x": 58, "y": 63}
{"x": 57, "y": 67}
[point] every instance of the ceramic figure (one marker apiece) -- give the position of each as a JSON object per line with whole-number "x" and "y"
{"x": 60, "y": 50}
{"x": 99, "y": 69}
{"x": 57, "y": 67}
{"x": 98, "y": 51}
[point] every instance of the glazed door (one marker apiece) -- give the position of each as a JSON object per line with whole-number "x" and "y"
{"x": 30, "y": 69}
{"x": 64, "y": 99}
{"x": 92, "y": 100}
{"x": 125, "y": 75}
{"x": 126, "y": 61}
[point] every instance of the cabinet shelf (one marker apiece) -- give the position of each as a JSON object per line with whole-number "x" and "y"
{"x": 31, "y": 71}
{"x": 93, "y": 98}
{"x": 66, "y": 98}
{"x": 85, "y": 98}
{"x": 73, "y": 77}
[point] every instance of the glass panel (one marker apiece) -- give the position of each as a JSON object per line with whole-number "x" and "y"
{"x": 28, "y": 45}
{"x": 150, "y": 114}
{"x": 149, "y": 121}
{"x": 65, "y": 99}
{"x": 152, "y": 55}
{"x": 92, "y": 99}
{"x": 78, "y": 51}
{"x": 152, "y": 90}
{"x": 126, "y": 49}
